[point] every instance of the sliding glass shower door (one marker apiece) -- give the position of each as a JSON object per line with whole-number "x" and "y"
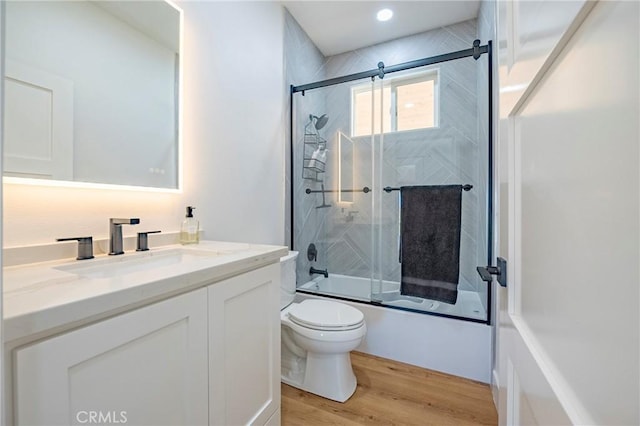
{"x": 332, "y": 194}
{"x": 355, "y": 145}
{"x": 432, "y": 140}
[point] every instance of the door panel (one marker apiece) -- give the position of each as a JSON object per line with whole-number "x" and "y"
{"x": 145, "y": 367}
{"x": 529, "y": 32}
{"x": 244, "y": 348}
{"x": 38, "y": 134}
{"x": 568, "y": 336}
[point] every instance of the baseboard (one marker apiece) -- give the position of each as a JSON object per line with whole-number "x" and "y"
{"x": 495, "y": 389}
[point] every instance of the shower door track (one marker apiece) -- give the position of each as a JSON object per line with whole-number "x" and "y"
{"x": 476, "y": 51}
{"x": 398, "y": 308}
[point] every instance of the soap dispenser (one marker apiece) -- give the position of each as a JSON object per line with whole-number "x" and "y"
{"x": 190, "y": 230}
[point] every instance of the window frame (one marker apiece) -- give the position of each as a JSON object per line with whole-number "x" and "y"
{"x": 393, "y": 83}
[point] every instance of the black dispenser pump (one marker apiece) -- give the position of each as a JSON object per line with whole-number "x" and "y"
{"x": 190, "y": 210}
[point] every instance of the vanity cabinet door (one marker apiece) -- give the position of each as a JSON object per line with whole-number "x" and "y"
{"x": 144, "y": 367}
{"x": 244, "y": 348}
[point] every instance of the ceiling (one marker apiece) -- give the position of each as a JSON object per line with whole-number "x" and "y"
{"x": 340, "y": 26}
{"x": 158, "y": 20}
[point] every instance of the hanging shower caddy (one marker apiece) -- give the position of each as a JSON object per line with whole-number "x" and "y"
{"x": 314, "y": 149}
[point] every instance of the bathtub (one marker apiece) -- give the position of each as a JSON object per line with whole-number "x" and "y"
{"x": 357, "y": 288}
{"x": 449, "y": 345}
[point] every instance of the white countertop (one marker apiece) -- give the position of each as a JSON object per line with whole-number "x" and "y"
{"x": 42, "y": 299}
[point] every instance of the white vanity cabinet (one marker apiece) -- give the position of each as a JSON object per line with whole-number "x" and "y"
{"x": 208, "y": 356}
{"x": 244, "y": 349}
{"x": 144, "y": 367}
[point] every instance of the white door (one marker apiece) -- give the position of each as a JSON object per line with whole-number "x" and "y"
{"x": 244, "y": 348}
{"x": 38, "y": 123}
{"x": 144, "y": 367}
{"x": 568, "y": 332}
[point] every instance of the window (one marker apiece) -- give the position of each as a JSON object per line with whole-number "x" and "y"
{"x": 409, "y": 102}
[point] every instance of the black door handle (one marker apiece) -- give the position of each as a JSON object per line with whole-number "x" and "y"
{"x": 499, "y": 271}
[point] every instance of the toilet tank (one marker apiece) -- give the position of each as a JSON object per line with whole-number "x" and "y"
{"x": 288, "y": 278}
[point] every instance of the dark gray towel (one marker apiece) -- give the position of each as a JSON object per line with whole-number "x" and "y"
{"x": 430, "y": 241}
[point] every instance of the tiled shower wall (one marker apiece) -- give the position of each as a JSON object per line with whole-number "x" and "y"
{"x": 451, "y": 153}
{"x": 303, "y": 64}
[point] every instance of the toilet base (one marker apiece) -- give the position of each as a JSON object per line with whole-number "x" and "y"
{"x": 327, "y": 375}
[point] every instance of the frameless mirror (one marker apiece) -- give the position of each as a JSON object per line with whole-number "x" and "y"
{"x": 345, "y": 168}
{"x": 92, "y": 92}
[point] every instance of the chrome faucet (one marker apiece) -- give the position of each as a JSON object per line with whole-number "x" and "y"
{"x": 115, "y": 233}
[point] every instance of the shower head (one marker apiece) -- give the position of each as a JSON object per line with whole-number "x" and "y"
{"x": 320, "y": 121}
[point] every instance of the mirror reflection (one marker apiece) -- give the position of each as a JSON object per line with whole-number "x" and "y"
{"x": 91, "y": 92}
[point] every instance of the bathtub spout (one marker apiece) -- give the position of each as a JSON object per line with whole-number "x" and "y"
{"x": 324, "y": 272}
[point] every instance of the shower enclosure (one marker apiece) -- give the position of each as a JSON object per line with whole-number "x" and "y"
{"x": 356, "y": 140}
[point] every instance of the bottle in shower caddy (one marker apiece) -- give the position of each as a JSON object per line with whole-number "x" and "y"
{"x": 319, "y": 158}
{"x": 190, "y": 229}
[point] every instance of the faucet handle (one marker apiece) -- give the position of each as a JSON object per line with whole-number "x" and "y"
{"x": 143, "y": 240}
{"x": 85, "y": 246}
{"x": 312, "y": 253}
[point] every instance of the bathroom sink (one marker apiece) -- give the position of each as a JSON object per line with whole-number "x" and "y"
{"x": 117, "y": 266}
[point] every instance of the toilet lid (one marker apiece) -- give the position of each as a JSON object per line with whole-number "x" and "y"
{"x": 325, "y": 315}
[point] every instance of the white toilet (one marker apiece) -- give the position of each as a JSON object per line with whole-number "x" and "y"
{"x": 317, "y": 336}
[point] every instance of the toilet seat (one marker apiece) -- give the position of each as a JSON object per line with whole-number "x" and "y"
{"x": 325, "y": 315}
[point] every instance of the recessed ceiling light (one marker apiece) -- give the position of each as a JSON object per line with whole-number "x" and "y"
{"x": 384, "y": 15}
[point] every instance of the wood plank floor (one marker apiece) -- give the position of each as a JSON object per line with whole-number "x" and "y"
{"x": 393, "y": 393}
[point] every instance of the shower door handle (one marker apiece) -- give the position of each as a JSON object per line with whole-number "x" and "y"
{"x": 499, "y": 271}
{"x": 486, "y": 272}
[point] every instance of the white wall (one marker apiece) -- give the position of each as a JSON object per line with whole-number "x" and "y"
{"x": 233, "y": 143}
{"x": 234, "y": 104}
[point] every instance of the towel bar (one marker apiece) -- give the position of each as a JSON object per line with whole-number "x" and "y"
{"x": 366, "y": 189}
{"x": 388, "y": 189}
